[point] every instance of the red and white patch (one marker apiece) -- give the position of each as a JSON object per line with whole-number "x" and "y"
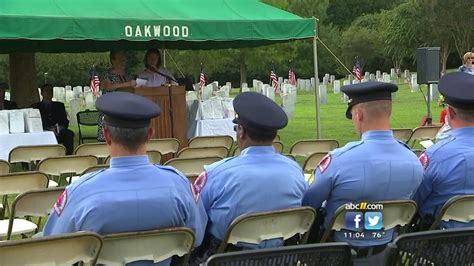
{"x": 199, "y": 185}
{"x": 60, "y": 203}
{"x": 324, "y": 163}
{"x": 425, "y": 160}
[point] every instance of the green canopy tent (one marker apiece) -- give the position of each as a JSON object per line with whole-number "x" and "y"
{"x": 101, "y": 25}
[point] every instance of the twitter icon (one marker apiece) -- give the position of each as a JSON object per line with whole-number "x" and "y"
{"x": 373, "y": 221}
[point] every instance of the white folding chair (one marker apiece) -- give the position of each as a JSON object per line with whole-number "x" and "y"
{"x": 36, "y": 203}
{"x": 203, "y": 152}
{"x": 256, "y": 227}
{"x": 164, "y": 146}
{"x": 153, "y": 156}
{"x": 211, "y": 141}
{"x": 402, "y": 134}
{"x": 66, "y": 249}
{"x": 5, "y": 167}
{"x": 71, "y": 165}
{"x": 98, "y": 150}
{"x": 459, "y": 208}
{"x": 307, "y": 147}
{"x": 191, "y": 167}
{"x": 278, "y": 145}
{"x": 17, "y": 183}
{"x": 423, "y": 133}
{"x": 32, "y": 154}
{"x": 157, "y": 245}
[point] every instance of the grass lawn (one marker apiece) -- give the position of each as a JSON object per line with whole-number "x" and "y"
{"x": 408, "y": 109}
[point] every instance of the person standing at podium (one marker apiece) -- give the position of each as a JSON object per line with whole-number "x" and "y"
{"x": 114, "y": 79}
{"x": 154, "y": 73}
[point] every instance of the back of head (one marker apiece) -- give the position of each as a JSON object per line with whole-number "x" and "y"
{"x": 457, "y": 89}
{"x": 127, "y": 119}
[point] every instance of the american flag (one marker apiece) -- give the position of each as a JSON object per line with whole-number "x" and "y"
{"x": 291, "y": 76}
{"x": 95, "y": 82}
{"x": 202, "y": 79}
{"x": 273, "y": 78}
{"x": 357, "y": 70}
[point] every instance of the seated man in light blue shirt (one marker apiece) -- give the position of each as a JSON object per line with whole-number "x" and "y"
{"x": 132, "y": 195}
{"x": 376, "y": 168}
{"x": 449, "y": 164}
{"x": 259, "y": 179}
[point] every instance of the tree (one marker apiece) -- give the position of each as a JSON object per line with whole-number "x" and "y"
{"x": 363, "y": 39}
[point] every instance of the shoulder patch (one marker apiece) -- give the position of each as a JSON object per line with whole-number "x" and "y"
{"x": 425, "y": 160}
{"x": 199, "y": 185}
{"x": 324, "y": 163}
{"x": 60, "y": 204}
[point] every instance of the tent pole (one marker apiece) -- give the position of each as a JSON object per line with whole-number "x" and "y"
{"x": 316, "y": 82}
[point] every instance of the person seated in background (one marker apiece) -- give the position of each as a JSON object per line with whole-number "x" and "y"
{"x": 259, "y": 179}
{"x": 467, "y": 63}
{"x": 376, "y": 168}
{"x": 5, "y": 104}
{"x": 54, "y": 118}
{"x": 131, "y": 195}
{"x": 448, "y": 165}
{"x": 154, "y": 74}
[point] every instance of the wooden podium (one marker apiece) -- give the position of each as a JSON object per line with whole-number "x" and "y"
{"x": 172, "y": 123}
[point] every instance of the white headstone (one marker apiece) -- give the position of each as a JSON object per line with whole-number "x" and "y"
{"x": 89, "y": 99}
{"x": 312, "y": 82}
{"x": 367, "y": 74}
{"x": 215, "y": 85}
{"x": 331, "y": 79}
{"x": 325, "y": 80}
{"x": 337, "y": 86}
{"x": 372, "y": 77}
{"x": 206, "y": 92}
{"x": 254, "y": 84}
{"x": 355, "y": 81}
{"x": 285, "y": 81}
{"x": 392, "y": 72}
{"x": 77, "y": 91}
{"x": 434, "y": 93}
{"x": 307, "y": 85}
{"x": 75, "y": 105}
{"x": 346, "y": 82}
{"x": 7, "y": 95}
{"x": 406, "y": 73}
{"x": 386, "y": 77}
{"x": 345, "y": 98}
{"x": 414, "y": 84}
{"x": 228, "y": 84}
{"x": 378, "y": 74}
{"x": 323, "y": 94}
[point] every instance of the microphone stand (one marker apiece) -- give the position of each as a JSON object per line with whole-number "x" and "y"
{"x": 161, "y": 74}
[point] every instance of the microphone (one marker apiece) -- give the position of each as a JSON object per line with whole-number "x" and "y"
{"x": 153, "y": 69}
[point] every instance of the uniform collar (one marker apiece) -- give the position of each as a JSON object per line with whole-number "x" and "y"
{"x": 377, "y": 134}
{"x": 259, "y": 150}
{"x": 125, "y": 161}
{"x": 463, "y": 131}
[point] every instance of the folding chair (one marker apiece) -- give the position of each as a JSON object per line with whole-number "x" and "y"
{"x": 335, "y": 254}
{"x": 98, "y": 150}
{"x": 256, "y": 227}
{"x": 311, "y": 163}
{"x": 71, "y": 165}
{"x": 191, "y": 167}
{"x": 459, "y": 208}
{"x": 307, "y": 147}
{"x": 5, "y": 167}
{"x": 95, "y": 168}
{"x": 394, "y": 213}
{"x": 66, "y": 249}
{"x": 153, "y": 156}
{"x": 276, "y": 144}
{"x": 211, "y": 141}
{"x": 31, "y": 154}
{"x": 439, "y": 247}
{"x": 36, "y": 203}
{"x": 277, "y": 138}
{"x": 87, "y": 119}
{"x": 17, "y": 183}
{"x": 402, "y": 134}
{"x": 164, "y": 146}
{"x": 423, "y": 133}
{"x": 156, "y": 245}
{"x": 203, "y": 152}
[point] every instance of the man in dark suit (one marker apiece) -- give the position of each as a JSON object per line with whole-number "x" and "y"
{"x": 4, "y": 104}
{"x": 54, "y": 118}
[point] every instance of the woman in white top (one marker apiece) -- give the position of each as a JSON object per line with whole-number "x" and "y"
{"x": 154, "y": 74}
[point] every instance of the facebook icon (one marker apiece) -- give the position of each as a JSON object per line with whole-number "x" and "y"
{"x": 354, "y": 221}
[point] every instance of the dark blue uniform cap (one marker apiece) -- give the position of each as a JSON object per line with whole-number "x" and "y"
{"x": 256, "y": 112}
{"x": 127, "y": 110}
{"x": 367, "y": 92}
{"x": 458, "y": 90}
